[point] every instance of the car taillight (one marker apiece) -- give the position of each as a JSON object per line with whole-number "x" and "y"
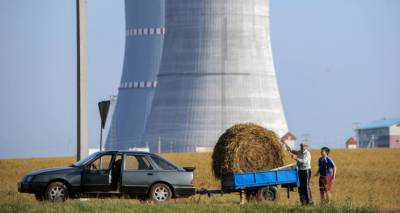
{"x": 192, "y": 182}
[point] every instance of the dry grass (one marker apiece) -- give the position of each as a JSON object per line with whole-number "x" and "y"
{"x": 366, "y": 178}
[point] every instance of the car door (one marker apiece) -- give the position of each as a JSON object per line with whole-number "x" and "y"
{"x": 97, "y": 174}
{"x": 138, "y": 174}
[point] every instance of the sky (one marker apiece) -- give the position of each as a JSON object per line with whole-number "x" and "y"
{"x": 337, "y": 64}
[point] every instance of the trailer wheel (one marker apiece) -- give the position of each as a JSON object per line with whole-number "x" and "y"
{"x": 267, "y": 194}
{"x": 251, "y": 195}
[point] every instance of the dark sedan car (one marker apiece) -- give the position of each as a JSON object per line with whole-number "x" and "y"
{"x": 138, "y": 174}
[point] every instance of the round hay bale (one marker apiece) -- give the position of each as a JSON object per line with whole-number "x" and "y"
{"x": 247, "y": 147}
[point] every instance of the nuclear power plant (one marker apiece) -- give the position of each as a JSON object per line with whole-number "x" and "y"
{"x": 144, "y": 20}
{"x": 209, "y": 68}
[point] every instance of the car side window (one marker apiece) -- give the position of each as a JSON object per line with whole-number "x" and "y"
{"x": 101, "y": 163}
{"x": 163, "y": 164}
{"x": 137, "y": 162}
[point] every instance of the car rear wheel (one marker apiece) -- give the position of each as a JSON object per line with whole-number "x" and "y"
{"x": 56, "y": 192}
{"x": 160, "y": 192}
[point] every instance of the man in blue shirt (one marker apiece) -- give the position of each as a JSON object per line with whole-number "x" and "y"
{"x": 327, "y": 174}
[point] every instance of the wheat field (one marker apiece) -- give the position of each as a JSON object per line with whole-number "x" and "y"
{"x": 366, "y": 179}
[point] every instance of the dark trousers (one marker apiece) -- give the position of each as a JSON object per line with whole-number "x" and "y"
{"x": 304, "y": 189}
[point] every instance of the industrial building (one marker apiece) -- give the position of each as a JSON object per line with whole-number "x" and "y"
{"x": 145, "y": 29}
{"x": 380, "y": 133}
{"x": 209, "y": 66}
{"x": 216, "y": 71}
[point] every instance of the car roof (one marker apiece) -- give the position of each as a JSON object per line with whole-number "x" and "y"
{"x": 127, "y": 151}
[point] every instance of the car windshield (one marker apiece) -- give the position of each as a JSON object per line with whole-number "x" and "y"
{"x": 85, "y": 160}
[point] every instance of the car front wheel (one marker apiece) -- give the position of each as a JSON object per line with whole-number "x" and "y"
{"x": 160, "y": 192}
{"x": 56, "y": 192}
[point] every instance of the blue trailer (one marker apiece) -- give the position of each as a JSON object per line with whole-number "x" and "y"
{"x": 258, "y": 185}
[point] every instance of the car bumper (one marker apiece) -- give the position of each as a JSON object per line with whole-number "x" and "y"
{"x": 185, "y": 191}
{"x": 24, "y": 187}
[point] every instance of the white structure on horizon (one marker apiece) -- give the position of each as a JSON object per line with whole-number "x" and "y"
{"x": 289, "y": 139}
{"x": 93, "y": 150}
{"x": 204, "y": 149}
{"x": 209, "y": 65}
{"x": 351, "y": 143}
{"x": 140, "y": 149}
{"x": 144, "y": 27}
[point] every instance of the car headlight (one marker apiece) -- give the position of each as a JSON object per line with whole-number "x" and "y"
{"x": 28, "y": 178}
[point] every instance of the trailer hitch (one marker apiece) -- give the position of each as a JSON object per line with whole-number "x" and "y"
{"x": 209, "y": 193}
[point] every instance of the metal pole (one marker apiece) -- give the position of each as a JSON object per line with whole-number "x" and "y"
{"x": 101, "y": 139}
{"x": 101, "y": 144}
{"x": 356, "y": 125}
{"x": 82, "y": 121}
{"x": 159, "y": 144}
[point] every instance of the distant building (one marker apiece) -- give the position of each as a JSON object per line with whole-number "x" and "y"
{"x": 204, "y": 149}
{"x": 289, "y": 139}
{"x": 380, "y": 133}
{"x": 93, "y": 150}
{"x": 351, "y": 143}
{"x": 140, "y": 149}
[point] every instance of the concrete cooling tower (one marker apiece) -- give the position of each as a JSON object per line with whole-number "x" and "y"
{"x": 143, "y": 47}
{"x": 216, "y": 70}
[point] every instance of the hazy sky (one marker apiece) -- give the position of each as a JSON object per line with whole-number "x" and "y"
{"x": 338, "y": 62}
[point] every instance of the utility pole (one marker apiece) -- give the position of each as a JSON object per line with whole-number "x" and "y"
{"x": 356, "y": 126}
{"x": 159, "y": 144}
{"x": 371, "y": 143}
{"x": 306, "y": 138}
{"x": 82, "y": 105}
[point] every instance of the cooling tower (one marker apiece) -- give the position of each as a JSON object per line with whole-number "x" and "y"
{"x": 216, "y": 71}
{"x": 143, "y": 47}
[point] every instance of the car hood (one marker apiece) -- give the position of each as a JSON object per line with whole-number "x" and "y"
{"x": 50, "y": 170}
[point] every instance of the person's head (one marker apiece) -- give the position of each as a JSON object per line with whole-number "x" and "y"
{"x": 303, "y": 147}
{"x": 325, "y": 151}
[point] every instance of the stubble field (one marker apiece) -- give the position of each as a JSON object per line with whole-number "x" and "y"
{"x": 367, "y": 180}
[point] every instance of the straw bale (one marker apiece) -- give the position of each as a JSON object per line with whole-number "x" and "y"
{"x": 247, "y": 147}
